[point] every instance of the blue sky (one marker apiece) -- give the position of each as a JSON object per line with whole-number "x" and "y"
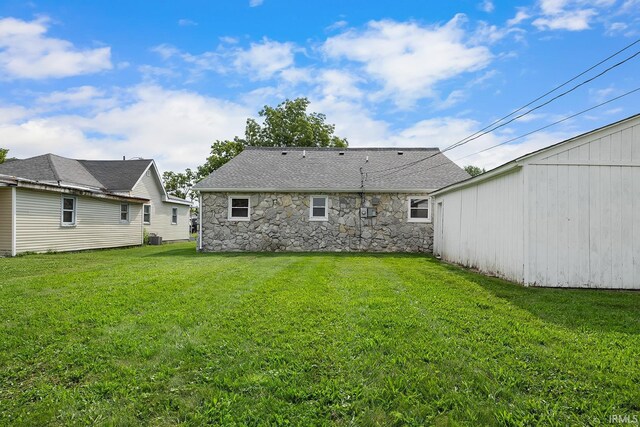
{"x": 166, "y": 79}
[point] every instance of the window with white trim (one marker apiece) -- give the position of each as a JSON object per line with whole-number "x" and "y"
{"x": 419, "y": 209}
{"x": 239, "y": 208}
{"x": 68, "y": 211}
{"x": 146, "y": 214}
{"x": 124, "y": 212}
{"x": 174, "y": 216}
{"x": 318, "y": 208}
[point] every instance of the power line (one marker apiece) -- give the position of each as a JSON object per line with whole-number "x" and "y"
{"x": 485, "y": 130}
{"x": 549, "y": 125}
{"x": 458, "y": 144}
{"x": 555, "y": 88}
{"x": 518, "y": 137}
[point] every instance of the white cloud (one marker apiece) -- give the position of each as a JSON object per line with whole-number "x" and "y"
{"x": 75, "y": 96}
{"x": 576, "y": 20}
{"x": 571, "y": 15}
{"x": 27, "y": 53}
{"x": 184, "y": 22}
{"x": 262, "y": 60}
{"x": 521, "y": 15}
{"x": 174, "y": 127}
{"x": 487, "y": 6}
{"x": 409, "y": 59}
{"x": 255, "y": 3}
{"x": 340, "y": 84}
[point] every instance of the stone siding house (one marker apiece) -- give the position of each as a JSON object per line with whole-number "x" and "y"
{"x": 321, "y": 199}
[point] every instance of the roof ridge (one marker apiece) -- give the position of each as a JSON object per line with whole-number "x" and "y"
{"x": 252, "y": 147}
{"x": 49, "y": 157}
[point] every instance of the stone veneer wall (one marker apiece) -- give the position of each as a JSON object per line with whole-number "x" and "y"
{"x": 280, "y": 222}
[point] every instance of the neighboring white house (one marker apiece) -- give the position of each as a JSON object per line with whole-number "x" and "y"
{"x": 564, "y": 216}
{"x": 52, "y": 203}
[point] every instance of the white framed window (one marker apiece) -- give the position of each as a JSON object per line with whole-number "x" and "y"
{"x": 68, "y": 217}
{"x": 239, "y": 208}
{"x": 146, "y": 214}
{"x": 318, "y": 208}
{"x": 174, "y": 216}
{"x": 419, "y": 209}
{"x": 124, "y": 212}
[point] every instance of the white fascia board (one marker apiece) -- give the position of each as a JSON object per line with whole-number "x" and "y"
{"x": 500, "y": 170}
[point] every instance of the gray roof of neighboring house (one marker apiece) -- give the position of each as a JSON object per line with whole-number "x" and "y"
{"x": 110, "y": 175}
{"x": 333, "y": 169}
{"x": 117, "y": 175}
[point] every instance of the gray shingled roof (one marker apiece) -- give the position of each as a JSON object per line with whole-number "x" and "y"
{"x": 110, "y": 175}
{"x": 326, "y": 169}
{"x": 117, "y": 175}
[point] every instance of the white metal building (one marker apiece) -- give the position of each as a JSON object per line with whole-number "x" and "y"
{"x": 564, "y": 216}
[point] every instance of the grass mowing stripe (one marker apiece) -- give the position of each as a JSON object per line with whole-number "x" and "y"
{"x": 166, "y": 336}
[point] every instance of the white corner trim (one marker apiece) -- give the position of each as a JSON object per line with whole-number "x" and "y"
{"x": 13, "y": 221}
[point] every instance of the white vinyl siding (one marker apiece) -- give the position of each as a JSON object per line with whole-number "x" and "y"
{"x": 5, "y": 220}
{"x": 318, "y": 208}
{"x": 161, "y": 211}
{"x": 38, "y": 226}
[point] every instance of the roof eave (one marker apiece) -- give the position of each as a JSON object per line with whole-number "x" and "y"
{"x": 313, "y": 190}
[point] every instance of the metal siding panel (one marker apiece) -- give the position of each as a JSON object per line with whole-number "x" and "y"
{"x": 626, "y": 230}
{"x": 541, "y": 225}
{"x": 552, "y": 226}
{"x": 563, "y": 222}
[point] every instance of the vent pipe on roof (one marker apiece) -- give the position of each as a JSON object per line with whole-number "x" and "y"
{"x": 366, "y": 160}
{"x": 304, "y": 153}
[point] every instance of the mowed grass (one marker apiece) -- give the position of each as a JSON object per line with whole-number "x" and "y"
{"x": 166, "y": 336}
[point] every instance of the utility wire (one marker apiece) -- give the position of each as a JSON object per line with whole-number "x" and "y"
{"x": 447, "y": 162}
{"x": 555, "y": 88}
{"x": 487, "y": 129}
{"x": 457, "y": 144}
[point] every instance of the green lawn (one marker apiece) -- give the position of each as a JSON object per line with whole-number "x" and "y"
{"x": 165, "y": 336}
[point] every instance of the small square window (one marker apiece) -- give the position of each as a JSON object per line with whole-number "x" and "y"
{"x": 419, "y": 209}
{"x": 239, "y": 208}
{"x": 146, "y": 214}
{"x": 124, "y": 212}
{"x": 174, "y": 215}
{"x": 318, "y": 210}
{"x": 68, "y": 211}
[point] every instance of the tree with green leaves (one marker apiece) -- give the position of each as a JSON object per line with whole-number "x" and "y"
{"x": 474, "y": 170}
{"x": 179, "y": 184}
{"x": 3, "y": 154}
{"x": 287, "y": 125}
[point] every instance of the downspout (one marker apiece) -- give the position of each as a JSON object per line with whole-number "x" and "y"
{"x": 200, "y": 222}
{"x": 13, "y": 221}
